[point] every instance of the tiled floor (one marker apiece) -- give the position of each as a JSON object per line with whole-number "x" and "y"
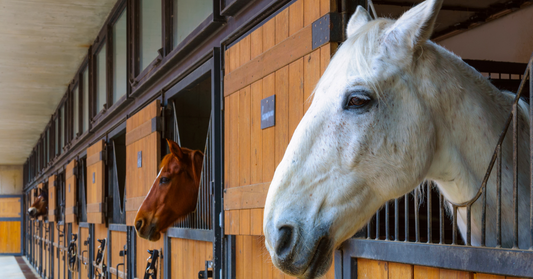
{"x": 15, "y": 268}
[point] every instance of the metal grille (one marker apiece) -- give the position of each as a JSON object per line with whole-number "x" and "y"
{"x": 201, "y": 218}
{"x": 425, "y": 216}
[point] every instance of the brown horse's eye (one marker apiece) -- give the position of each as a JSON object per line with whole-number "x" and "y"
{"x": 358, "y": 101}
{"x": 164, "y": 180}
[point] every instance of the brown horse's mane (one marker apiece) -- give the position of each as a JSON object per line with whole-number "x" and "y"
{"x": 165, "y": 160}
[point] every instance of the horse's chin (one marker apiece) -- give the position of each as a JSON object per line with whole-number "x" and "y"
{"x": 321, "y": 261}
{"x": 155, "y": 237}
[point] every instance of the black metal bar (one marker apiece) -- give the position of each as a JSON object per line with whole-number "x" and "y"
{"x": 406, "y": 216}
{"x": 510, "y": 262}
{"x": 368, "y": 229}
{"x": 194, "y": 234}
{"x": 429, "y": 217}
{"x": 515, "y": 173}
{"x": 417, "y": 217}
{"x": 454, "y": 229}
{"x": 531, "y": 161}
{"x": 499, "y": 196}
{"x": 484, "y": 218}
{"x": 441, "y": 219}
{"x": 468, "y": 225}
{"x": 387, "y": 236}
{"x": 377, "y": 224}
{"x": 396, "y": 220}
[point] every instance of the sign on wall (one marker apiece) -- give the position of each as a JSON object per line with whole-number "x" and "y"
{"x": 268, "y": 112}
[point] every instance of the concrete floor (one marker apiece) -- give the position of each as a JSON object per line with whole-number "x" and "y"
{"x": 10, "y": 268}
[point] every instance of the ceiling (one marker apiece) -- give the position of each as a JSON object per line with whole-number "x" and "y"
{"x": 43, "y": 42}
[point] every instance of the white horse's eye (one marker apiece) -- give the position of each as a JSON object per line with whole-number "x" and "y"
{"x": 357, "y": 102}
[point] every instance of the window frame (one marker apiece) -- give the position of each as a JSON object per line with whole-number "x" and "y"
{"x": 120, "y": 130}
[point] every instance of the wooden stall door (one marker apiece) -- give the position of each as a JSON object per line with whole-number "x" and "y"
{"x": 278, "y": 58}
{"x": 95, "y": 183}
{"x": 52, "y": 198}
{"x": 143, "y": 153}
{"x": 11, "y": 225}
{"x": 83, "y": 253}
{"x": 118, "y": 240}
{"x": 71, "y": 192}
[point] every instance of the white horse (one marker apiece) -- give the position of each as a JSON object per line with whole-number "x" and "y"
{"x": 391, "y": 111}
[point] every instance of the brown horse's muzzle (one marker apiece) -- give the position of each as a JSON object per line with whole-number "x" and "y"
{"x": 147, "y": 229}
{"x": 32, "y": 212}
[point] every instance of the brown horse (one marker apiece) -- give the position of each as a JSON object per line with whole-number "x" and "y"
{"x": 40, "y": 205}
{"x": 173, "y": 194}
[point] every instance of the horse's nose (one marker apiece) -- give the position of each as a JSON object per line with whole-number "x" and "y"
{"x": 32, "y": 211}
{"x": 139, "y": 225}
{"x": 283, "y": 242}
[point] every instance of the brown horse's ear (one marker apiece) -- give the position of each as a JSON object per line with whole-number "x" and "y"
{"x": 175, "y": 149}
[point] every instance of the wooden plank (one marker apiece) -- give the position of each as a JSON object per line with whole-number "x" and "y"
{"x": 246, "y": 197}
{"x": 267, "y": 267}
{"x": 256, "y": 42}
{"x": 455, "y": 274}
{"x": 133, "y": 204}
{"x": 235, "y": 221}
{"x": 256, "y": 221}
{"x": 248, "y": 256}
{"x": 52, "y": 196}
{"x": 311, "y": 76}
{"x": 239, "y": 257}
{"x": 311, "y": 11}
{"x": 326, "y": 52}
{"x": 234, "y": 57}
{"x": 327, "y": 6}
{"x": 234, "y": 141}
{"x": 147, "y": 113}
{"x": 257, "y": 250}
{"x": 424, "y": 272}
{"x": 296, "y": 94}
{"x": 269, "y": 166}
{"x": 282, "y": 114}
{"x": 269, "y": 34}
{"x": 141, "y": 131}
{"x": 256, "y": 138}
{"x": 271, "y": 60}
{"x": 227, "y": 222}
{"x": 10, "y": 240}
{"x": 400, "y": 271}
{"x": 282, "y": 26}
{"x": 10, "y": 207}
{"x": 227, "y": 135}
{"x": 372, "y": 269}
{"x": 244, "y": 219}
{"x": 244, "y": 48}
{"x": 244, "y": 136}
{"x": 296, "y": 17}
{"x": 488, "y": 276}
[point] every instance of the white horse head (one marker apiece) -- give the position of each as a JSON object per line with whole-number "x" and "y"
{"x": 390, "y": 111}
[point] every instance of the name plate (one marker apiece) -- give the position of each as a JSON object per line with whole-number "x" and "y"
{"x": 268, "y": 112}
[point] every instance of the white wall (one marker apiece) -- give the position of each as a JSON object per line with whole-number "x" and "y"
{"x": 10, "y": 180}
{"x": 509, "y": 39}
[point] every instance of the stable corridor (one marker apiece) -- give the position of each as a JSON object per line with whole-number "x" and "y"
{"x": 16, "y": 268}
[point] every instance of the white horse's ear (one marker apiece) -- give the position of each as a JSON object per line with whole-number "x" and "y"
{"x": 358, "y": 19}
{"x": 416, "y": 25}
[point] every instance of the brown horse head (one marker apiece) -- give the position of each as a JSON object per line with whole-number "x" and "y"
{"x": 40, "y": 205}
{"x": 174, "y": 193}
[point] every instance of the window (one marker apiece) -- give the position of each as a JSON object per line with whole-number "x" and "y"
{"x": 56, "y": 138}
{"x": 101, "y": 79}
{"x": 187, "y": 15}
{"x": 120, "y": 44}
{"x": 75, "y": 111}
{"x": 150, "y": 31}
{"x": 48, "y": 145}
{"x": 85, "y": 100}
{"x": 117, "y": 176}
{"x": 62, "y": 135}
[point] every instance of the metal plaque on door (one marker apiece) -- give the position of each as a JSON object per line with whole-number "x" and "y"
{"x": 268, "y": 112}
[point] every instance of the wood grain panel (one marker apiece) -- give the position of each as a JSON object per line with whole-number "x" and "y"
{"x": 269, "y": 165}
{"x": 10, "y": 232}
{"x": 245, "y": 222}
{"x": 244, "y": 50}
{"x": 282, "y": 26}
{"x": 256, "y": 137}
{"x": 271, "y": 60}
{"x": 142, "y": 246}
{"x": 118, "y": 240}
{"x": 140, "y": 179}
{"x": 455, "y": 274}
{"x": 256, "y": 42}
{"x": 282, "y": 114}
{"x": 424, "y": 272}
{"x": 296, "y": 17}
{"x": 327, "y": 6}
{"x": 296, "y": 95}
{"x": 256, "y": 221}
{"x": 246, "y": 197}
{"x": 269, "y": 35}
{"x": 372, "y": 269}
{"x": 52, "y": 198}
{"x": 400, "y": 271}
{"x": 311, "y": 11}
{"x": 10, "y": 207}
{"x": 488, "y": 276}
{"x": 244, "y": 136}
{"x": 311, "y": 76}
{"x": 233, "y": 123}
